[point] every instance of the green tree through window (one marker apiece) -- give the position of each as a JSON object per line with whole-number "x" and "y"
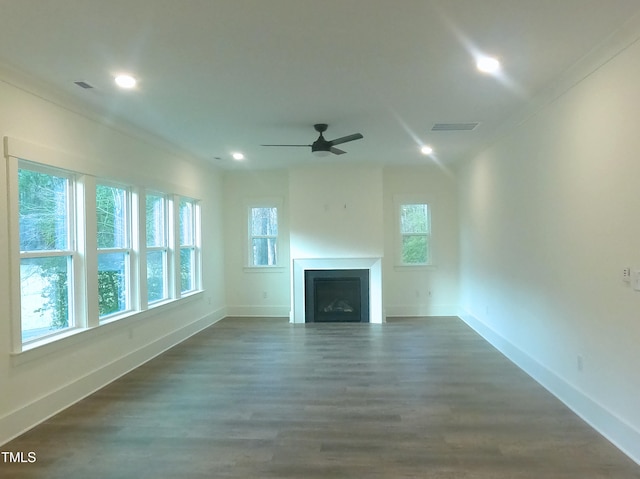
{"x": 263, "y": 231}
{"x": 188, "y": 245}
{"x": 112, "y": 215}
{"x": 415, "y": 232}
{"x": 46, "y": 254}
{"x": 55, "y": 257}
{"x": 157, "y": 247}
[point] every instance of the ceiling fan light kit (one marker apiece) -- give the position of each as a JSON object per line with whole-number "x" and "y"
{"x": 323, "y": 147}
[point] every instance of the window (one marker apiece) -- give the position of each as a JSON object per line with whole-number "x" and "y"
{"x": 263, "y": 236}
{"x": 415, "y": 234}
{"x": 47, "y": 250}
{"x": 113, "y": 216}
{"x": 188, "y": 245}
{"x": 79, "y": 246}
{"x": 157, "y": 247}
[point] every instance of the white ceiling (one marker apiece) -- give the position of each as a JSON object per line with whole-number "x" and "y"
{"x": 217, "y": 76}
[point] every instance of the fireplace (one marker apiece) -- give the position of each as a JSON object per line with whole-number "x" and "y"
{"x": 340, "y": 295}
{"x": 372, "y": 265}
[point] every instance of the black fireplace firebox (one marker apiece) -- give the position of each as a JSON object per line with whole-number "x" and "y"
{"x": 336, "y": 295}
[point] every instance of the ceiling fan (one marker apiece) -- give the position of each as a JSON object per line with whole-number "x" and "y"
{"x": 322, "y": 147}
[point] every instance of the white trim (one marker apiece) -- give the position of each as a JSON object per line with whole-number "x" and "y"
{"x": 30, "y": 415}
{"x": 421, "y": 310}
{"x": 130, "y": 269}
{"x": 264, "y": 269}
{"x": 55, "y": 159}
{"x": 14, "y": 165}
{"x": 412, "y": 199}
{"x": 195, "y": 246}
{"x": 144, "y": 249}
{"x": 13, "y": 247}
{"x": 262, "y": 202}
{"x": 88, "y": 247}
{"x": 300, "y": 265}
{"x": 620, "y": 433}
{"x": 258, "y": 311}
{"x": 84, "y": 246}
{"x": 98, "y": 167}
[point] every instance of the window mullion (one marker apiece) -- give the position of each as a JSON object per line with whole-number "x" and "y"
{"x": 174, "y": 242}
{"x": 88, "y": 246}
{"x": 137, "y": 242}
{"x": 58, "y": 289}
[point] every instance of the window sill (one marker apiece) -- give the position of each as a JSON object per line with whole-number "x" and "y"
{"x": 264, "y": 269}
{"x": 160, "y": 303}
{"x": 51, "y": 339}
{"x": 189, "y": 294}
{"x": 115, "y": 317}
{"x": 415, "y": 267}
{"x": 41, "y": 348}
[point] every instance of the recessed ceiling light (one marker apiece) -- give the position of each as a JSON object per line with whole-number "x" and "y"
{"x": 237, "y": 156}
{"x": 488, "y": 64}
{"x": 125, "y": 81}
{"x": 426, "y": 150}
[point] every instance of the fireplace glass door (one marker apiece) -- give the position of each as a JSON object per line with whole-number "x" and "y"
{"x": 337, "y": 296}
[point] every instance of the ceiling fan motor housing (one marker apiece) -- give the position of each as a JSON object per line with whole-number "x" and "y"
{"x": 320, "y": 145}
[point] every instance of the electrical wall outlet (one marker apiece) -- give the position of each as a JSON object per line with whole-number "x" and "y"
{"x": 626, "y": 274}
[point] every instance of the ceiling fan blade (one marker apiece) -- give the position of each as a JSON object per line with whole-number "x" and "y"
{"x": 336, "y": 151}
{"x": 344, "y": 139}
{"x": 288, "y": 145}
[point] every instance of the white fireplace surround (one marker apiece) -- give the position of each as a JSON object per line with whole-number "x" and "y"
{"x": 374, "y": 265}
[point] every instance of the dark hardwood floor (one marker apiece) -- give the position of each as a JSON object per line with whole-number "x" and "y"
{"x": 260, "y": 398}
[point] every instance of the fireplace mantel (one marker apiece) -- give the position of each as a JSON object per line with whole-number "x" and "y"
{"x": 300, "y": 265}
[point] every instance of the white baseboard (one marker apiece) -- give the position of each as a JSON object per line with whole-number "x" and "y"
{"x": 621, "y": 434}
{"x": 412, "y": 311}
{"x": 259, "y": 311}
{"x": 21, "y": 420}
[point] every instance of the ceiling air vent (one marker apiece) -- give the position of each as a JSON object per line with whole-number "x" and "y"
{"x": 454, "y": 126}
{"x": 83, "y": 84}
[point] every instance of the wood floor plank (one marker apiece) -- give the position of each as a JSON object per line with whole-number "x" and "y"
{"x": 262, "y": 398}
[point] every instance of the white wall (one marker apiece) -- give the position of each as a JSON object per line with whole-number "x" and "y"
{"x": 247, "y": 287}
{"x": 549, "y": 219}
{"x": 431, "y": 290}
{"x": 320, "y": 226}
{"x": 336, "y": 211}
{"x": 38, "y": 383}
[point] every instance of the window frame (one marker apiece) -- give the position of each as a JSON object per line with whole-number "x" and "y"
{"x": 129, "y": 254}
{"x": 406, "y": 200}
{"x": 250, "y": 204}
{"x": 273, "y": 237}
{"x": 194, "y": 247}
{"x": 164, "y": 248}
{"x": 71, "y": 252}
{"x": 83, "y": 271}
